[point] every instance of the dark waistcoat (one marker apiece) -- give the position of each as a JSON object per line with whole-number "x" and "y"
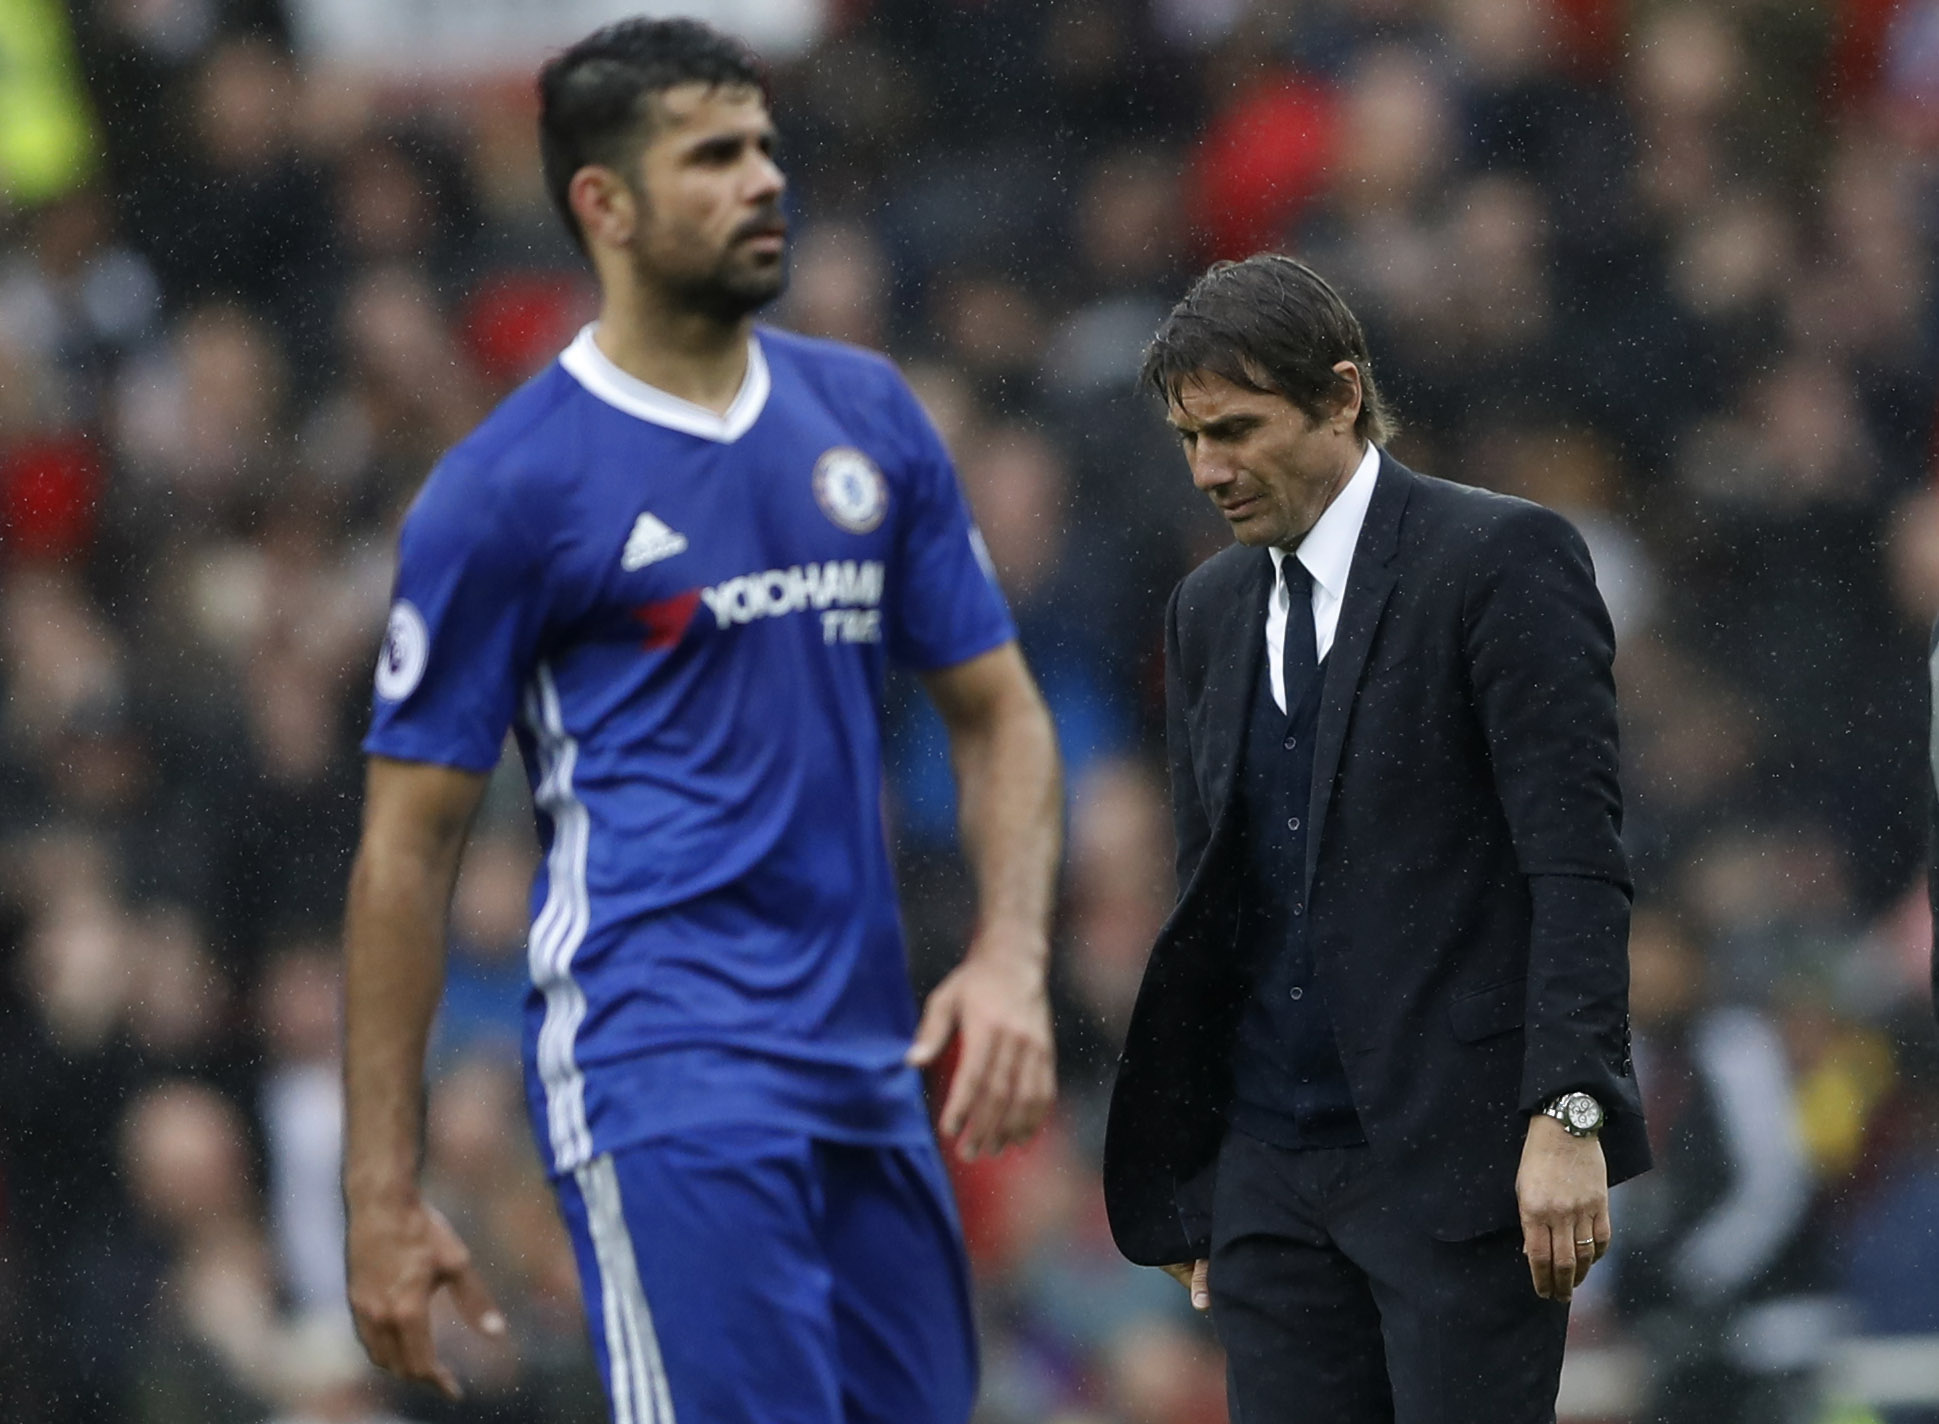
{"x": 1288, "y": 1085}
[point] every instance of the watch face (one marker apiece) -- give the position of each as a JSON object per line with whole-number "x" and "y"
{"x": 1585, "y": 1114}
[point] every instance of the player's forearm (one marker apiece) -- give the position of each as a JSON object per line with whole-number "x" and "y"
{"x": 1010, "y": 791}
{"x": 394, "y": 976}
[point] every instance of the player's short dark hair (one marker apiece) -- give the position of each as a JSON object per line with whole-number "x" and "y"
{"x": 593, "y": 97}
{"x": 1273, "y": 324}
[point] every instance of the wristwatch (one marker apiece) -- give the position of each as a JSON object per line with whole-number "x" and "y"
{"x": 1579, "y": 1114}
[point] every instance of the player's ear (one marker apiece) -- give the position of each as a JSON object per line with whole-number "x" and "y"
{"x": 604, "y": 205}
{"x": 1348, "y": 410}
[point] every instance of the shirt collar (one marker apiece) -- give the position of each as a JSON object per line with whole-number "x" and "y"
{"x": 1327, "y": 549}
{"x": 594, "y": 370}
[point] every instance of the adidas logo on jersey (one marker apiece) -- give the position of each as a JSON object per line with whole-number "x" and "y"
{"x": 650, "y": 542}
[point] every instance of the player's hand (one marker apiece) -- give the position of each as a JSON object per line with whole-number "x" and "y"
{"x": 399, "y": 1256}
{"x": 1563, "y": 1190}
{"x": 1006, "y": 1072}
{"x": 1195, "y": 1276}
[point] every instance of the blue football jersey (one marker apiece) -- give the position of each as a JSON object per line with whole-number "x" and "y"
{"x": 685, "y": 619}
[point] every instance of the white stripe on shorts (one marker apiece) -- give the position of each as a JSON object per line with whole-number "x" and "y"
{"x": 639, "y": 1379}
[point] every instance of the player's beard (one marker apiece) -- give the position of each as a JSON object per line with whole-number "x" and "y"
{"x": 738, "y": 285}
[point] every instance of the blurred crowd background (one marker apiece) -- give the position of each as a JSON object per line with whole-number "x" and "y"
{"x": 1664, "y": 265}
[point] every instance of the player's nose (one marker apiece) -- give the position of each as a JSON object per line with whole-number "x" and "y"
{"x": 1209, "y": 471}
{"x": 767, "y": 182}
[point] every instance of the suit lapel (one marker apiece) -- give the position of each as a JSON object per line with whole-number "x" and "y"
{"x": 1369, "y": 583}
{"x": 1236, "y": 651}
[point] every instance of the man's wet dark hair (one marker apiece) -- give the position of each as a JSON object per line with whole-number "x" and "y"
{"x": 1272, "y": 324}
{"x": 593, "y": 98}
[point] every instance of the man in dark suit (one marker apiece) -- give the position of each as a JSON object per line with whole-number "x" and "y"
{"x": 1377, "y": 1083}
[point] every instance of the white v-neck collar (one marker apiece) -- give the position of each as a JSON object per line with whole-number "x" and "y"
{"x": 594, "y": 370}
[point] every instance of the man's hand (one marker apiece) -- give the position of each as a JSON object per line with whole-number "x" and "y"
{"x": 1563, "y": 1189}
{"x": 399, "y": 1257}
{"x": 1195, "y": 1277}
{"x": 1006, "y": 1073}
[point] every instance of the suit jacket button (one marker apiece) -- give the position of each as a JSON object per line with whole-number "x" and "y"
{"x": 1298, "y": 993}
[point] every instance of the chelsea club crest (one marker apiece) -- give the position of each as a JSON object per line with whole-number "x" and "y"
{"x": 850, "y": 489}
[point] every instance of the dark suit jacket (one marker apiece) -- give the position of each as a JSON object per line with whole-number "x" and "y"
{"x": 1932, "y": 804}
{"x": 1467, "y": 889}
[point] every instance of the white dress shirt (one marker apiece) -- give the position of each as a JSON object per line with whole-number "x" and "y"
{"x": 1327, "y": 553}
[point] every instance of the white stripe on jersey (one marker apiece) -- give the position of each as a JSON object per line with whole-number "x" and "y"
{"x": 639, "y": 1377}
{"x": 561, "y": 926}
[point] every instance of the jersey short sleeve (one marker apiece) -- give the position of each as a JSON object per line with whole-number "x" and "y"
{"x": 463, "y": 626}
{"x": 943, "y": 604}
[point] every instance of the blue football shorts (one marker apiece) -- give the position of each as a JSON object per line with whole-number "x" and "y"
{"x": 754, "y": 1276}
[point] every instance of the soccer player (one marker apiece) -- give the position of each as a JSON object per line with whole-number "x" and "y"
{"x": 676, "y": 564}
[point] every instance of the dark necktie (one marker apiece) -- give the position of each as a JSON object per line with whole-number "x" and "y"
{"x": 1302, "y": 652}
